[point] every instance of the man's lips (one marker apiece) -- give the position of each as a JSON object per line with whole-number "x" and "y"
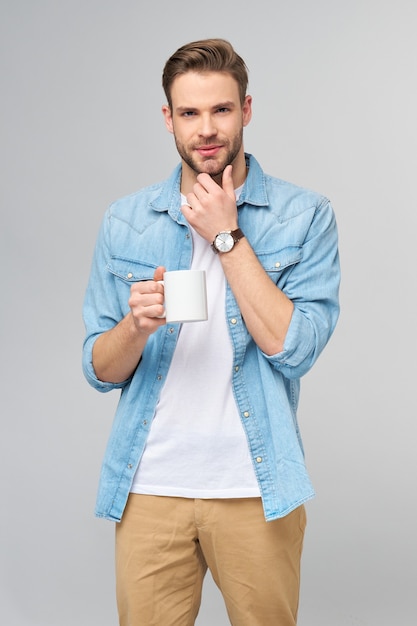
{"x": 208, "y": 151}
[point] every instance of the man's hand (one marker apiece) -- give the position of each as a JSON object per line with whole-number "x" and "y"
{"x": 212, "y": 208}
{"x": 147, "y": 303}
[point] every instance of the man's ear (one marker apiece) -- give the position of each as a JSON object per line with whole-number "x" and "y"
{"x": 166, "y": 112}
{"x": 247, "y": 110}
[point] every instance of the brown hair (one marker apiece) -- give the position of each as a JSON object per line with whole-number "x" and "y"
{"x": 206, "y": 55}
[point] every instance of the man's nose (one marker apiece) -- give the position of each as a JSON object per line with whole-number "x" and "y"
{"x": 207, "y": 126}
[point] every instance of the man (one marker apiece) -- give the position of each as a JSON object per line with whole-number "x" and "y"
{"x": 204, "y": 465}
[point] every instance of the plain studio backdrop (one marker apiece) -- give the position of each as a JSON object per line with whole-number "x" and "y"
{"x": 334, "y": 99}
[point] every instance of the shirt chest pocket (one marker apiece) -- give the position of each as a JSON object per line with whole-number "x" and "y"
{"x": 131, "y": 271}
{"x": 277, "y": 264}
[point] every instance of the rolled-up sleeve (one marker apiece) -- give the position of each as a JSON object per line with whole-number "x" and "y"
{"x": 101, "y": 309}
{"x": 313, "y": 287}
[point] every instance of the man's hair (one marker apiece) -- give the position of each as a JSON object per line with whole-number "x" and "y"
{"x": 206, "y": 55}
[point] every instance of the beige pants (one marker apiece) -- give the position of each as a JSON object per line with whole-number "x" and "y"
{"x": 164, "y": 545}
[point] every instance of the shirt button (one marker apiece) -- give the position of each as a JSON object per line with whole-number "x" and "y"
{"x": 159, "y": 377}
{"x": 277, "y": 264}
{"x": 130, "y": 466}
{"x": 259, "y": 459}
{"x": 130, "y": 275}
{"x": 236, "y": 368}
{"x": 233, "y": 320}
{"x": 246, "y": 414}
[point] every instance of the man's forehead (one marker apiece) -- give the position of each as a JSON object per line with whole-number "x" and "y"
{"x": 204, "y": 85}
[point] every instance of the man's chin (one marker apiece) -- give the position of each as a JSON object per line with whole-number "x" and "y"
{"x": 210, "y": 167}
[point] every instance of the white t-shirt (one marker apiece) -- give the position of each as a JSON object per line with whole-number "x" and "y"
{"x": 197, "y": 447}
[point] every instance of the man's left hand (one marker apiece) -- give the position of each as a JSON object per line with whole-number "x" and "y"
{"x": 211, "y": 207}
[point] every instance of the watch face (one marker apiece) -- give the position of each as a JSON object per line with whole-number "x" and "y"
{"x": 224, "y": 242}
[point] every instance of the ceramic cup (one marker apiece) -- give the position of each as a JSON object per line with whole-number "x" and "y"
{"x": 185, "y": 296}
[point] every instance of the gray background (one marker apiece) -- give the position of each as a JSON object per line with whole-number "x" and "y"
{"x": 334, "y": 88}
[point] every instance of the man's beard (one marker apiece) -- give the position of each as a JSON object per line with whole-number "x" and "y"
{"x": 208, "y": 165}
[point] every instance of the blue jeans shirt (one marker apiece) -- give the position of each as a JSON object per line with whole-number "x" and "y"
{"x": 293, "y": 233}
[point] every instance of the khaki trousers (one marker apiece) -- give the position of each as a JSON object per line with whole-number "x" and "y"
{"x": 164, "y": 546}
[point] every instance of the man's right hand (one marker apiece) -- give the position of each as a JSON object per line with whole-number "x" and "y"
{"x": 147, "y": 303}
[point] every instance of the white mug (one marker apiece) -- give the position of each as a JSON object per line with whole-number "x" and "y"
{"x": 185, "y": 295}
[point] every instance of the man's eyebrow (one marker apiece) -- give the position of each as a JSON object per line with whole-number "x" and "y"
{"x": 183, "y": 109}
{"x": 225, "y": 105}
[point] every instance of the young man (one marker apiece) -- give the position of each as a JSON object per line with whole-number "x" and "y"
{"x": 204, "y": 466}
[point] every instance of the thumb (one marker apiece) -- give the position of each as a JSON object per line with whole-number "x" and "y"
{"x": 227, "y": 181}
{"x": 159, "y": 273}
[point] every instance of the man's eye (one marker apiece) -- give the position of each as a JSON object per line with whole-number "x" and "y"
{"x": 222, "y": 110}
{"x": 188, "y": 113}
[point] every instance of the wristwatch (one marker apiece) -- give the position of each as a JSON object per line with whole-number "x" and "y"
{"x": 226, "y": 240}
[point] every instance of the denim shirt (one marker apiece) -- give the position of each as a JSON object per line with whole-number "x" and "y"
{"x": 293, "y": 233}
